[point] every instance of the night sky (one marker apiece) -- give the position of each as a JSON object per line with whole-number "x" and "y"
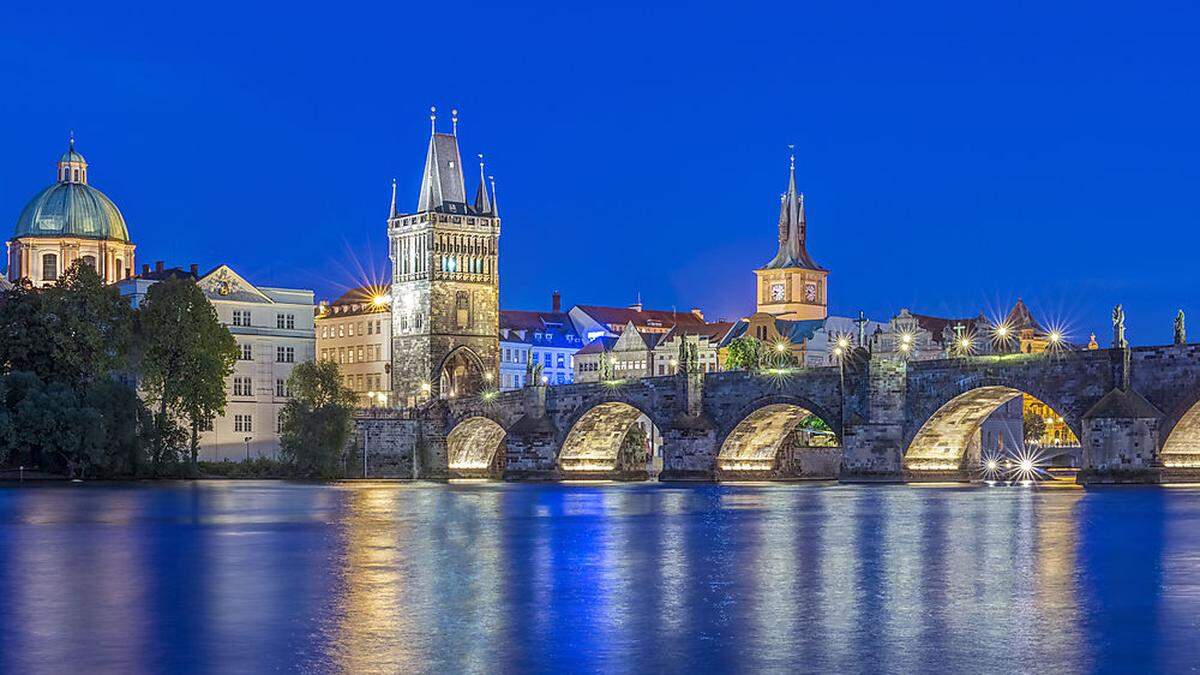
{"x": 954, "y": 156}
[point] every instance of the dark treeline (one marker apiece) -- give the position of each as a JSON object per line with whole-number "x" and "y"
{"x": 90, "y": 387}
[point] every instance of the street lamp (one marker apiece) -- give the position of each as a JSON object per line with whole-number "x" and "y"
{"x": 247, "y": 440}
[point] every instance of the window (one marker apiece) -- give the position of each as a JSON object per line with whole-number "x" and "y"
{"x": 370, "y": 326}
{"x": 245, "y": 352}
{"x": 324, "y": 331}
{"x": 90, "y": 261}
{"x": 49, "y": 267}
{"x": 359, "y": 382}
{"x": 418, "y": 322}
{"x": 360, "y": 355}
{"x": 279, "y": 321}
{"x": 279, "y": 423}
{"x": 281, "y": 388}
{"x": 350, "y": 329}
{"x": 204, "y": 425}
{"x": 243, "y": 423}
{"x": 286, "y": 354}
{"x": 350, "y": 355}
{"x": 360, "y": 328}
{"x": 241, "y": 317}
{"x": 242, "y": 386}
{"x": 341, "y": 355}
{"x": 378, "y": 326}
{"x": 562, "y": 361}
{"x": 341, "y": 330}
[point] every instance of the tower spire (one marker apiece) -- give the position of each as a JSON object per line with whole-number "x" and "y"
{"x": 483, "y": 203}
{"x": 454, "y": 122}
{"x": 392, "y": 213}
{"x": 432, "y": 120}
{"x": 495, "y": 204}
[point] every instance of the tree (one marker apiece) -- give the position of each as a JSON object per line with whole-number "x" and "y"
{"x": 186, "y": 354}
{"x": 316, "y": 420}
{"x": 128, "y": 426}
{"x": 745, "y": 353}
{"x": 74, "y": 332}
{"x": 56, "y": 431}
{"x": 635, "y": 450}
{"x": 1034, "y": 427}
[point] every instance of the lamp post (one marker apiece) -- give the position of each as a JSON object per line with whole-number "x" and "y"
{"x": 247, "y": 440}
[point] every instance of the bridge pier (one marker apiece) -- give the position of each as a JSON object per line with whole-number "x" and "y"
{"x": 873, "y": 423}
{"x": 1121, "y": 438}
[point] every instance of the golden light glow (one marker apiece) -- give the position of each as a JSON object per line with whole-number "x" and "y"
{"x": 781, "y": 347}
{"x": 843, "y": 342}
{"x": 425, "y": 388}
{"x": 1055, "y": 337}
{"x": 837, "y": 351}
{"x": 488, "y": 376}
{"x": 379, "y": 300}
{"x": 906, "y": 339}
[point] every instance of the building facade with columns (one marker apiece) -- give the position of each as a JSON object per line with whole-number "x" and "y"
{"x": 66, "y": 222}
{"x": 445, "y": 281}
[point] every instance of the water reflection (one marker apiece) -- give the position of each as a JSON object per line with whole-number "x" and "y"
{"x": 488, "y": 577}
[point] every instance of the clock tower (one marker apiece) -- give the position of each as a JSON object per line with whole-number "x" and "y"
{"x": 791, "y": 285}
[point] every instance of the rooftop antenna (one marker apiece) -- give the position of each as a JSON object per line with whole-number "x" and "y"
{"x": 454, "y": 121}
{"x": 432, "y": 120}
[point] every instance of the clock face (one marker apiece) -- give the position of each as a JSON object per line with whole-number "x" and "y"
{"x": 810, "y": 292}
{"x": 777, "y": 291}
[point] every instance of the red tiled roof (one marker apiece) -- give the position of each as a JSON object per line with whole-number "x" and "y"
{"x": 516, "y": 319}
{"x": 643, "y": 317}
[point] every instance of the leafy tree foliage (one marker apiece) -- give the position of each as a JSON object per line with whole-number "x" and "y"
{"x": 745, "y": 353}
{"x": 74, "y": 332}
{"x": 185, "y": 355}
{"x": 316, "y": 420}
{"x": 635, "y": 449}
{"x": 1034, "y": 427}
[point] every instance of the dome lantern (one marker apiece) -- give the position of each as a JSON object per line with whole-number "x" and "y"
{"x": 72, "y": 167}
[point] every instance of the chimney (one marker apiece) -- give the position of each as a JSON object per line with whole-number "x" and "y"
{"x": 158, "y": 265}
{"x": 556, "y": 302}
{"x": 145, "y": 269}
{"x": 697, "y": 313}
{"x": 194, "y": 269}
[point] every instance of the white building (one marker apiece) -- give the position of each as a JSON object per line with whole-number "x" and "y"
{"x": 548, "y": 339}
{"x": 274, "y": 331}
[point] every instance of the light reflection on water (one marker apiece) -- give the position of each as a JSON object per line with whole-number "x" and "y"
{"x": 487, "y": 577}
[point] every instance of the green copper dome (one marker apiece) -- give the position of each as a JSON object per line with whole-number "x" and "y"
{"x": 71, "y": 207}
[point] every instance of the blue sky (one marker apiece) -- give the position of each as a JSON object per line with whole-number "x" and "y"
{"x": 955, "y": 156}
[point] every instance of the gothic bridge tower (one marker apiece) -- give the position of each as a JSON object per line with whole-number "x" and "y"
{"x": 445, "y": 281}
{"x": 792, "y": 285}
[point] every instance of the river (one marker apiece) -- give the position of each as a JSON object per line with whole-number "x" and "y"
{"x": 254, "y": 577}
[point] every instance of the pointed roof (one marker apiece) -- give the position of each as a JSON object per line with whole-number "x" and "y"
{"x": 392, "y": 212}
{"x": 442, "y": 181}
{"x": 483, "y": 203}
{"x": 222, "y": 283}
{"x": 793, "y": 229}
{"x": 1019, "y": 318}
{"x": 1121, "y": 404}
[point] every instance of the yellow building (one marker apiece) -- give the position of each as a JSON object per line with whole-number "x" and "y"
{"x": 355, "y": 332}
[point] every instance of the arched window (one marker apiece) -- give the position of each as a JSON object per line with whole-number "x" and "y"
{"x": 49, "y": 267}
{"x": 119, "y": 269}
{"x": 76, "y": 176}
{"x": 90, "y": 261}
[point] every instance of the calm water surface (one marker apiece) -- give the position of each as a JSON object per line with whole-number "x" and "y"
{"x": 254, "y": 577}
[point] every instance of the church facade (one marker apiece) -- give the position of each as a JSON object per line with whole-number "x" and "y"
{"x": 445, "y": 281}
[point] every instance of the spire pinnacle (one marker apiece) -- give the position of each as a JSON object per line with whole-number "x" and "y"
{"x": 454, "y": 121}
{"x": 432, "y": 120}
{"x": 392, "y": 213}
{"x": 71, "y": 141}
{"x": 495, "y": 204}
{"x": 483, "y": 204}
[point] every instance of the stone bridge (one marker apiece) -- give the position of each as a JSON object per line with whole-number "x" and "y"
{"x": 1135, "y": 411}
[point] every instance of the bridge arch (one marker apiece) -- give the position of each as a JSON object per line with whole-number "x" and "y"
{"x": 763, "y": 429}
{"x": 1182, "y": 446}
{"x": 604, "y": 437}
{"x": 949, "y": 438}
{"x": 475, "y": 447}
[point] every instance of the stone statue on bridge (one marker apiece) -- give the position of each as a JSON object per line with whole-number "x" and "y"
{"x": 1118, "y": 320}
{"x": 1180, "y": 329}
{"x": 689, "y": 357}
